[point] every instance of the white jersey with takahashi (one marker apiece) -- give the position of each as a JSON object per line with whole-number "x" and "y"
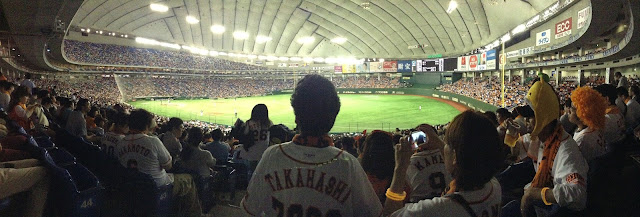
{"x": 483, "y": 202}
{"x": 426, "y": 175}
{"x": 295, "y": 180}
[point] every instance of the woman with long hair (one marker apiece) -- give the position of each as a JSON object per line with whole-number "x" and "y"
{"x": 193, "y": 157}
{"x": 18, "y": 110}
{"x": 257, "y": 131}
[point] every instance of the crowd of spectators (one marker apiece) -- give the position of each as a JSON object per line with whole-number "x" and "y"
{"x": 108, "y": 54}
{"x": 488, "y": 90}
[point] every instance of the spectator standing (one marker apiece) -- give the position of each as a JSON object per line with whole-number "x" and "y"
{"x": 257, "y": 129}
{"x": 28, "y": 83}
{"x": 621, "y": 81}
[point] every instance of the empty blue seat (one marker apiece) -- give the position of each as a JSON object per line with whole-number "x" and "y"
{"x": 147, "y": 198}
{"x": 61, "y": 156}
{"x": 77, "y": 192}
{"x": 44, "y": 142}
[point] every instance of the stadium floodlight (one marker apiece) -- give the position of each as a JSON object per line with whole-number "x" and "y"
{"x": 520, "y": 28}
{"x": 380, "y": 60}
{"x": 88, "y": 30}
{"x": 318, "y": 59}
{"x": 339, "y": 40}
{"x": 262, "y": 57}
{"x": 306, "y": 40}
{"x": 82, "y": 30}
{"x": 126, "y": 36}
{"x": 222, "y": 53}
{"x": 452, "y": 6}
{"x": 505, "y": 38}
{"x": 262, "y": 39}
{"x": 330, "y": 60}
{"x": 158, "y": 7}
{"x": 217, "y": 29}
{"x": 192, "y": 19}
{"x": 283, "y": 58}
{"x": 203, "y": 52}
{"x": 295, "y": 59}
{"x": 251, "y": 56}
{"x": 240, "y": 35}
{"x": 241, "y": 55}
{"x": 231, "y": 55}
{"x": 308, "y": 59}
{"x": 272, "y": 58}
{"x": 213, "y": 53}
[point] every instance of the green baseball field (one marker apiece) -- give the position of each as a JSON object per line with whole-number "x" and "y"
{"x": 358, "y": 112}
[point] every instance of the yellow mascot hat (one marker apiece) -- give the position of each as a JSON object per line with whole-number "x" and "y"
{"x": 544, "y": 102}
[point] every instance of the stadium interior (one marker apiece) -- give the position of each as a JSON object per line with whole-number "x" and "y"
{"x": 77, "y": 77}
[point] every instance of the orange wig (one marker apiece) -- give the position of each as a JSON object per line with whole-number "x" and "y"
{"x": 590, "y": 106}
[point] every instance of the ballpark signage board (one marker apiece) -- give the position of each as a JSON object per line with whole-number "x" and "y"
{"x": 390, "y": 66}
{"x": 462, "y": 63}
{"x": 583, "y": 16}
{"x": 337, "y": 69}
{"x": 375, "y": 67}
{"x": 418, "y": 65}
{"x": 491, "y": 59}
{"x": 563, "y": 28}
{"x": 473, "y": 62}
{"x": 404, "y": 66}
{"x": 543, "y": 37}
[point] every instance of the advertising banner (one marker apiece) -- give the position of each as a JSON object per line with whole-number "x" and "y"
{"x": 294, "y": 65}
{"x": 348, "y": 68}
{"x": 375, "y": 67}
{"x": 404, "y": 66}
{"x": 583, "y": 16}
{"x": 491, "y": 59}
{"x": 473, "y": 62}
{"x": 413, "y": 66}
{"x": 543, "y": 37}
{"x": 563, "y": 28}
{"x": 364, "y": 67}
{"x": 418, "y": 65}
{"x": 337, "y": 69}
{"x": 462, "y": 63}
{"x": 390, "y": 66}
{"x": 282, "y": 64}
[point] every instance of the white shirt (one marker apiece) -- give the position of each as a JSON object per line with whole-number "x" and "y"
{"x": 483, "y": 202}
{"x": 147, "y": 154}
{"x": 633, "y": 113}
{"x": 591, "y": 143}
{"x": 426, "y": 175}
{"x": 172, "y": 143}
{"x": 76, "y": 124}
{"x": 569, "y": 172}
{"x": 261, "y": 137}
{"x": 614, "y": 129}
{"x": 109, "y": 143}
{"x": 321, "y": 180}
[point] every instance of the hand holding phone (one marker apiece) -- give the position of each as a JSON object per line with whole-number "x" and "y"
{"x": 417, "y": 137}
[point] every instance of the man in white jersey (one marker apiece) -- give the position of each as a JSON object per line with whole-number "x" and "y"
{"x": 426, "y": 174}
{"x": 147, "y": 154}
{"x": 472, "y": 156}
{"x": 111, "y": 139}
{"x": 588, "y": 113}
{"x": 308, "y": 176}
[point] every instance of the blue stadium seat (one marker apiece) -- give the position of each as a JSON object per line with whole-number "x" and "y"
{"x": 145, "y": 197}
{"x": 75, "y": 192}
{"x": 44, "y": 142}
{"x": 60, "y": 156}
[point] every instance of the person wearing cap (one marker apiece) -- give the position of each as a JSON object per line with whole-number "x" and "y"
{"x": 559, "y": 185}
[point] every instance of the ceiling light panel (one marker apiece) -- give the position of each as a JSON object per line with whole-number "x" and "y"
{"x": 158, "y": 7}
{"x": 240, "y": 35}
{"x": 217, "y": 29}
{"x": 339, "y": 40}
{"x": 192, "y": 20}
{"x": 262, "y": 39}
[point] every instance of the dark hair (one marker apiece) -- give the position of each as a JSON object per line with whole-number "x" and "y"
{"x": 503, "y": 112}
{"x": 16, "y": 95}
{"x": 217, "y": 135}
{"x": 43, "y": 94}
{"x": 140, "y": 119}
{"x": 82, "y": 103}
{"x": 525, "y": 111}
{"x": 618, "y": 74}
{"x": 194, "y": 138}
{"x": 492, "y": 117}
{"x": 636, "y": 90}
{"x": 99, "y": 119}
{"x": 47, "y": 100}
{"x": 608, "y": 91}
{"x": 621, "y": 91}
{"x": 348, "y": 145}
{"x": 173, "y": 123}
{"x": 120, "y": 119}
{"x": 93, "y": 112}
{"x": 477, "y": 147}
{"x": 568, "y": 103}
{"x": 260, "y": 114}
{"x": 27, "y": 76}
{"x": 378, "y": 157}
{"x": 316, "y": 104}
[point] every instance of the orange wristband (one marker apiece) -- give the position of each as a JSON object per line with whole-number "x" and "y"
{"x": 396, "y": 196}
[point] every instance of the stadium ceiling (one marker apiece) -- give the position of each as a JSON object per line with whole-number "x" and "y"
{"x": 376, "y": 28}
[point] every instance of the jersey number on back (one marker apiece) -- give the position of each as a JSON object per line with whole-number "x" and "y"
{"x": 437, "y": 183}
{"x": 297, "y": 210}
{"x": 260, "y": 135}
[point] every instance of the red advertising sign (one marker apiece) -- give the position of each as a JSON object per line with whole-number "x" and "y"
{"x": 473, "y": 61}
{"x": 390, "y": 66}
{"x": 337, "y": 69}
{"x": 463, "y": 61}
{"x": 563, "y": 28}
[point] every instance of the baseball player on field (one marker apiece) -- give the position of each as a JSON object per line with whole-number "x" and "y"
{"x": 308, "y": 176}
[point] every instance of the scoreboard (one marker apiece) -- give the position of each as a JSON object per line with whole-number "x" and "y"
{"x": 433, "y": 65}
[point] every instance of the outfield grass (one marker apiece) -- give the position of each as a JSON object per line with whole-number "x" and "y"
{"x": 358, "y": 112}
